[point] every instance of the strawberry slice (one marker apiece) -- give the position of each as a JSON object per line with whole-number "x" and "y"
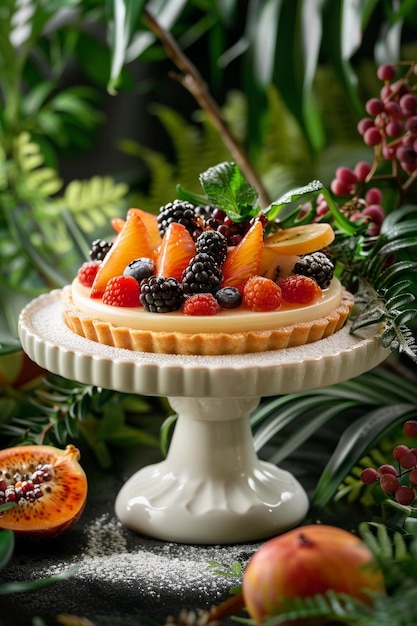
{"x": 243, "y": 261}
{"x": 177, "y": 248}
{"x": 131, "y": 243}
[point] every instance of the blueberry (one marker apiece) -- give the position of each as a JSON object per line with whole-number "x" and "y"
{"x": 229, "y": 297}
{"x": 140, "y": 269}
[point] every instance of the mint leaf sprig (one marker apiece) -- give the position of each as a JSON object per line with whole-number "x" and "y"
{"x": 226, "y": 188}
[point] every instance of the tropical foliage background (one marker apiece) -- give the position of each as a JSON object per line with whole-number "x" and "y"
{"x": 96, "y": 116}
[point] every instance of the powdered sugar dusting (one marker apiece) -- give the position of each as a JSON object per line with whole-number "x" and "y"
{"x": 157, "y": 573}
{"x": 152, "y": 567}
{"x": 116, "y": 573}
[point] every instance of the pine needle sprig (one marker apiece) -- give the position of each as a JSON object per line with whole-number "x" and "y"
{"x": 64, "y": 411}
{"x": 385, "y": 284}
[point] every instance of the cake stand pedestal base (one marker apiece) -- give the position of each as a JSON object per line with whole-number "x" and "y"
{"x": 211, "y": 488}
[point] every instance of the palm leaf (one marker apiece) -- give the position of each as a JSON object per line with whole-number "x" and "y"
{"x": 354, "y": 442}
{"x": 377, "y": 401}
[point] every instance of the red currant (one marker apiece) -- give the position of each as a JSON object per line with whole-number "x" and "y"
{"x": 389, "y": 483}
{"x": 369, "y": 476}
{"x": 399, "y": 451}
{"x": 410, "y": 429}
{"x": 405, "y": 495}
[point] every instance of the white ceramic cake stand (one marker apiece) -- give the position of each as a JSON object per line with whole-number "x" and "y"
{"x": 211, "y": 488}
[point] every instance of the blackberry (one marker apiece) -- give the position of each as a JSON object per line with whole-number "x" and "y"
{"x": 140, "y": 269}
{"x": 316, "y": 265}
{"x": 202, "y": 275}
{"x": 214, "y": 243}
{"x": 161, "y": 295}
{"x": 179, "y": 211}
{"x": 99, "y": 249}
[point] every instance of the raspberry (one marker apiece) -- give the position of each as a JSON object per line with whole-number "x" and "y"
{"x": 299, "y": 289}
{"x": 201, "y": 304}
{"x": 87, "y": 272}
{"x": 122, "y": 291}
{"x": 262, "y": 294}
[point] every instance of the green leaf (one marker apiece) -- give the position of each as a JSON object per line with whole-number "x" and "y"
{"x": 337, "y": 36}
{"x": 227, "y": 189}
{"x": 34, "y": 585}
{"x": 42, "y": 265}
{"x": 302, "y": 434}
{"x": 391, "y": 273}
{"x": 291, "y": 196}
{"x": 6, "y": 546}
{"x": 123, "y": 20}
{"x": 166, "y": 433}
{"x": 295, "y": 60}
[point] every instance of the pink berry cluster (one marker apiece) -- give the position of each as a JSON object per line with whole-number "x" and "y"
{"x": 390, "y": 128}
{"x": 365, "y": 204}
{"x": 391, "y": 125}
{"x": 400, "y": 481}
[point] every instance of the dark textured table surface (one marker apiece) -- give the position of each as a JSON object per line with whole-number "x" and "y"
{"x": 123, "y": 578}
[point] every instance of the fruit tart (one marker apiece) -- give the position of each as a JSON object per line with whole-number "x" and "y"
{"x": 208, "y": 275}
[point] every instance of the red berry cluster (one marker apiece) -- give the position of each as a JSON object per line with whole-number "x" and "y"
{"x": 367, "y": 208}
{"x": 391, "y": 125}
{"x": 390, "y": 128}
{"x": 399, "y": 482}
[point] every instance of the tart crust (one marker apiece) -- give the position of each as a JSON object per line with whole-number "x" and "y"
{"x": 205, "y": 343}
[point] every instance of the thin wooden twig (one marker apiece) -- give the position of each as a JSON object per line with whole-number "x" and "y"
{"x": 192, "y": 80}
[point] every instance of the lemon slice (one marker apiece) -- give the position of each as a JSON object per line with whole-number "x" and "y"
{"x": 301, "y": 239}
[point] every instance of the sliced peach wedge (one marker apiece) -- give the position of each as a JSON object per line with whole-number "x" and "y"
{"x": 243, "y": 261}
{"x": 131, "y": 243}
{"x": 176, "y": 250}
{"x": 150, "y": 220}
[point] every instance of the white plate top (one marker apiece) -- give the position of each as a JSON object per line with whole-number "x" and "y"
{"x": 47, "y": 341}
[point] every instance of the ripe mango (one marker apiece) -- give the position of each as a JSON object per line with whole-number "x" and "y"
{"x": 307, "y": 561}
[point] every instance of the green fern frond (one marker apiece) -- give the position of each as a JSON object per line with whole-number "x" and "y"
{"x": 329, "y": 607}
{"x": 162, "y": 177}
{"x": 386, "y": 280}
{"x": 196, "y": 149}
{"x": 283, "y": 146}
{"x": 93, "y": 201}
{"x": 32, "y": 182}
